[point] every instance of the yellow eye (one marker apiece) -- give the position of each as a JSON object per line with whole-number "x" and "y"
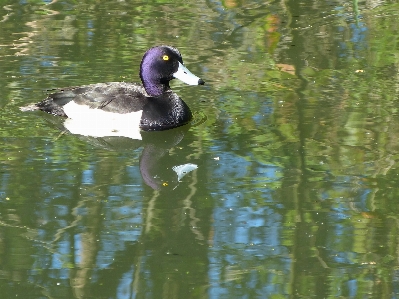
{"x": 165, "y": 57}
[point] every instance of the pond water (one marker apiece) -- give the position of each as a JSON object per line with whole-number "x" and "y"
{"x": 293, "y": 188}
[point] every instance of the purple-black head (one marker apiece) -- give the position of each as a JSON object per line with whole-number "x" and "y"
{"x": 162, "y": 64}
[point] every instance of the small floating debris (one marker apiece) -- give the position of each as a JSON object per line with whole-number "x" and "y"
{"x": 182, "y": 170}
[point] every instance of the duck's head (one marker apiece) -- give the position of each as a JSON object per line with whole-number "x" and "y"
{"x": 162, "y": 64}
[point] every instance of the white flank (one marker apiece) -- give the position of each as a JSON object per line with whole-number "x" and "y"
{"x": 86, "y": 121}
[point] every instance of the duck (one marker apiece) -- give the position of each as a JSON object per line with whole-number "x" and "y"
{"x": 124, "y": 108}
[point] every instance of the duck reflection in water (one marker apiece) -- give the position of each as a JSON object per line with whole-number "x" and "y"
{"x": 157, "y": 168}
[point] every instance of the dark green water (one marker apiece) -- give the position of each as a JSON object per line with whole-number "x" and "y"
{"x": 296, "y": 140}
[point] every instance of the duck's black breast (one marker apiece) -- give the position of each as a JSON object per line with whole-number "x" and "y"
{"x": 165, "y": 112}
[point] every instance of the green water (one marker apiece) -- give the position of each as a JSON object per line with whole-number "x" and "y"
{"x": 295, "y": 140}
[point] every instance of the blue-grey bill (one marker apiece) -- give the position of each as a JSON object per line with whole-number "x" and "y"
{"x": 186, "y": 76}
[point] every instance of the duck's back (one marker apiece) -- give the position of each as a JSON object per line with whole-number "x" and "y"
{"x": 116, "y": 97}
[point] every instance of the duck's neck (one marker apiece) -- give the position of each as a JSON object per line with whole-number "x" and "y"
{"x": 155, "y": 89}
{"x": 153, "y": 85}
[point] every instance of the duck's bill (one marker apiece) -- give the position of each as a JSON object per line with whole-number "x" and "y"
{"x": 187, "y": 77}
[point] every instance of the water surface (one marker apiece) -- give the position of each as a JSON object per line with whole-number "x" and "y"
{"x": 295, "y": 143}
